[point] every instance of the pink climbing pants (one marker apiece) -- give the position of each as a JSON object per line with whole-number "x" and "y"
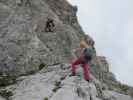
{"x": 86, "y": 68}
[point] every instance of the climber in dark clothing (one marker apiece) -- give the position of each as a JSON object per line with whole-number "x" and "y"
{"x": 84, "y": 59}
{"x": 49, "y": 25}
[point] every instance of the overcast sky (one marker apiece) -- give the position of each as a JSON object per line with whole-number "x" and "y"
{"x": 110, "y": 23}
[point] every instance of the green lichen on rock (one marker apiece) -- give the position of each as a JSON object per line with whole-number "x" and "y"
{"x": 6, "y": 80}
{"x": 57, "y": 83}
{"x": 46, "y": 98}
{"x": 121, "y": 88}
{"x": 55, "y": 89}
{"x": 57, "y": 86}
{"x": 41, "y": 66}
{"x": 6, "y": 94}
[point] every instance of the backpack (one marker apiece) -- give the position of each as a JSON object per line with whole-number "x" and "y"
{"x": 88, "y": 53}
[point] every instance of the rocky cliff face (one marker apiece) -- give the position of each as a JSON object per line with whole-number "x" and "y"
{"x": 24, "y": 42}
{"x": 37, "y": 34}
{"x": 56, "y": 83}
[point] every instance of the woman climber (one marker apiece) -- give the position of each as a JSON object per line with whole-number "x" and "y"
{"x": 84, "y": 59}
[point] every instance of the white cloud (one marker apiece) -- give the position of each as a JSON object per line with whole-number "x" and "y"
{"x": 110, "y": 23}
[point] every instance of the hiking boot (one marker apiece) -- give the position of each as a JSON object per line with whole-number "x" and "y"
{"x": 72, "y": 75}
{"x": 88, "y": 81}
